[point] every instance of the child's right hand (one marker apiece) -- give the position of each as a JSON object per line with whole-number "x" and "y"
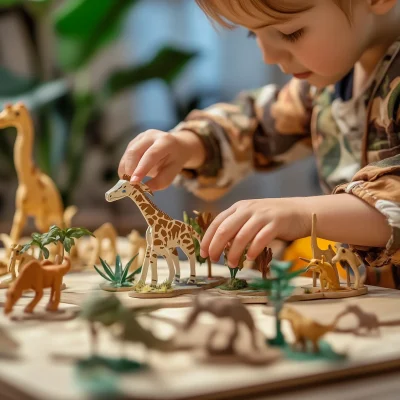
{"x": 162, "y": 156}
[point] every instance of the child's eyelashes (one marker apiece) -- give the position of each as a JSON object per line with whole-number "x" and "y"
{"x": 293, "y": 37}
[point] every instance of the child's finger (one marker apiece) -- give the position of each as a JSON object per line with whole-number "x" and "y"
{"x": 262, "y": 240}
{"x": 225, "y": 232}
{"x": 164, "y": 178}
{"x": 245, "y": 235}
{"x": 205, "y": 242}
{"x": 133, "y": 155}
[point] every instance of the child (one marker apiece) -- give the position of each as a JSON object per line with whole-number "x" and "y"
{"x": 345, "y": 96}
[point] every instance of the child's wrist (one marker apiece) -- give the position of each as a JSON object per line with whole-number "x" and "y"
{"x": 192, "y": 146}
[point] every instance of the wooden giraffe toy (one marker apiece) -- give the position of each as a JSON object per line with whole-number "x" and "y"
{"x": 163, "y": 234}
{"x": 37, "y": 195}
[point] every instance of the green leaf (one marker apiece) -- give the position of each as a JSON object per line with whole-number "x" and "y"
{"x": 26, "y": 248}
{"x": 86, "y": 26}
{"x": 132, "y": 275}
{"x": 167, "y": 65}
{"x": 78, "y": 232}
{"x": 46, "y": 252}
{"x": 126, "y": 269}
{"x": 67, "y": 244}
{"x": 107, "y": 269}
{"x": 118, "y": 268}
{"x": 100, "y": 273}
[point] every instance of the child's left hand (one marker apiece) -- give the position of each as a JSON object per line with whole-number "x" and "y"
{"x": 255, "y": 222}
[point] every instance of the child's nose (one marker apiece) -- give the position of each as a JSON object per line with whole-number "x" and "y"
{"x": 275, "y": 55}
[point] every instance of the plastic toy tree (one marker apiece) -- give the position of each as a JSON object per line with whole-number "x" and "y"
{"x": 278, "y": 289}
{"x": 57, "y": 235}
{"x": 200, "y": 224}
{"x": 262, "y": 262}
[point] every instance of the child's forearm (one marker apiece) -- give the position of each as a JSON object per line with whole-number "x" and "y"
{"x": 345, "y": 218}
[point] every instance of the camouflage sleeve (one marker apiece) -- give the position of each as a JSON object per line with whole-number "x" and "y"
{"x": 379, "y": 185}
{"x": 257, "y": 132}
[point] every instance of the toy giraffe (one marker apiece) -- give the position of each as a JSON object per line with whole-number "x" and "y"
{"x": 163, "y": 234}
{"x": 37, "y": 195}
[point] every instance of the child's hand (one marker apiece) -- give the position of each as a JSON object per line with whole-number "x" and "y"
{"x": 255, "y": 222}
{"x": 161, "y": 156}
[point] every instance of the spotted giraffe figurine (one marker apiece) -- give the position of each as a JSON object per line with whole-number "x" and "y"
{"x": 164, "y": 234}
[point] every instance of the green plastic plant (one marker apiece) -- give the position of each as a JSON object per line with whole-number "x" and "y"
{"x": 119, "y": 277}
{"x": 56, "y": 235}
{"x": 278, "y": 289}
{"x": 235, "y": 283}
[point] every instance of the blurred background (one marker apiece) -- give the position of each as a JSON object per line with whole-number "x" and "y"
{"x": 96, "y": 73}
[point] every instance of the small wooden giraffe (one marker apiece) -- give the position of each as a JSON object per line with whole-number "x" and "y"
{"x": 163, "y": 234}
{"x": 37, "y": 195}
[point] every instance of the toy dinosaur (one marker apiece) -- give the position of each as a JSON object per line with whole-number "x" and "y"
{"x": 37, "y": 195}
{"x": 305, "y": 329}
{"x": 164, "y": 234}
{"x": 328, "y": 278}
{"x": 109, "y": 311}
{"x": 38, "y": 276}
{"x": 231, "y": 308}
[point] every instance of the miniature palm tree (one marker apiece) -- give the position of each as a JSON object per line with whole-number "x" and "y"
{"x": 200, "y": 225}
{"x": 278, "y": 289}
{"x": 204, "y": 220}
{"x": 262, "y": 262}
{"x": 65, "y": 236}
{"x": 118, "y": 278}
{"x": 234, "y": 283}
{"x": 38, "y": 240}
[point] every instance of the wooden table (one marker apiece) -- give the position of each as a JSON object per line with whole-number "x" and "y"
{"x": 39, "y": 373}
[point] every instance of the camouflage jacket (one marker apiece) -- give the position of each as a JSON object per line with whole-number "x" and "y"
{"x": 356, "y": 142}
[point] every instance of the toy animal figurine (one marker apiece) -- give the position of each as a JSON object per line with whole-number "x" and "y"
{"x": 104, "y": 232}
{"x": 327, "y": 276}
{"x": 231, "y": 308}
{"x": 17, "y": 261}
{"x": 163, "y": 234}
{"x": 317, "y": 253}
{"x": 109, "y": 311}
{"x": 354, "y": 262}
{"x": 38, "y": 276}
{"x": 37, "y": 195}
{"x": 138, "y": 247}
{"x": 305, "y": 329}
{"x": 367, "y": 322}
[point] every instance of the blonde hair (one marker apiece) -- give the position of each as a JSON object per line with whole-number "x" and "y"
{"x": 272, "y": 8}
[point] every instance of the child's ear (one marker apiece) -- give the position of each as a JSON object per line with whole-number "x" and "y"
{"x": 381, "y": 7}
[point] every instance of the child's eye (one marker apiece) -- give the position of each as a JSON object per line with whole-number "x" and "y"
{"x": 251, "y": 34}
{"x": 293, "y": 37}
{"x": 124, "y": 191}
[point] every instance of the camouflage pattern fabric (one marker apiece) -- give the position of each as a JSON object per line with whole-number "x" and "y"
{"x": 356, "y": 144}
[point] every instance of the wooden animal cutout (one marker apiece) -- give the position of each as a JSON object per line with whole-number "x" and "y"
{"x": 138, "y": 246}
{"x": 164, "y": 234}
{"x": 317, "y": 253}
{"x": 37, "y": 195}
{"x": 344, "y": 254}
{"x": 305, "y": 329}
{"x": 225, "y": 307}
{"x": 104, "y": 232}
{"x": 37, "y": 276}
{"x": 327, "y": 276}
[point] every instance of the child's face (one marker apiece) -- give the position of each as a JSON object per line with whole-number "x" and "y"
{"x": 319, "y": 45}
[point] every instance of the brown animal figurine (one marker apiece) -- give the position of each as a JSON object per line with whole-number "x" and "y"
{"x": 38, "y": 276}
{"x": 305, "y": 329}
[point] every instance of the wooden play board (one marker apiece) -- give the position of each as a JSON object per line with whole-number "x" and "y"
{"x": 44, "y": 370}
